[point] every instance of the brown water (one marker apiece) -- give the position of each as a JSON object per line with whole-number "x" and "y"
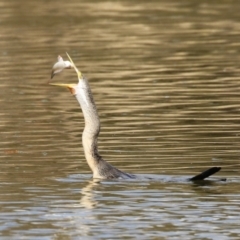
{"x": 165, "y": 77}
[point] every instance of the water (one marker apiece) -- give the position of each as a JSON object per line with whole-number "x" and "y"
{"x": 165, "y": 77}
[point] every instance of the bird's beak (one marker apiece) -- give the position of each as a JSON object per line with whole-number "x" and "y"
{"x": 75, "y": 68}
{"x": 70, "y": 86}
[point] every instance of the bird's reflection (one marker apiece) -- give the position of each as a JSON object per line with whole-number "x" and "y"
{"x": 208, "y": 186}
{"x": 87, "y": 200}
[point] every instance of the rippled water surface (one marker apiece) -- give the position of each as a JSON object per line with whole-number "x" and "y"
{"x": 165, "y": 77}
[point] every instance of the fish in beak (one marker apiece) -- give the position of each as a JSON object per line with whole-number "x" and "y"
{"x": 59, "y": 66}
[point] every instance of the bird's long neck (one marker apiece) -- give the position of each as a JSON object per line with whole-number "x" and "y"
{"x": 92, "y": 124}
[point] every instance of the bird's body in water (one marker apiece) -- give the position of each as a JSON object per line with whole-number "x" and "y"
{"x": 100, "y": 168}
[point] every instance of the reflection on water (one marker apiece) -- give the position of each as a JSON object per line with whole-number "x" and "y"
{"x": 165, "y": 79}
